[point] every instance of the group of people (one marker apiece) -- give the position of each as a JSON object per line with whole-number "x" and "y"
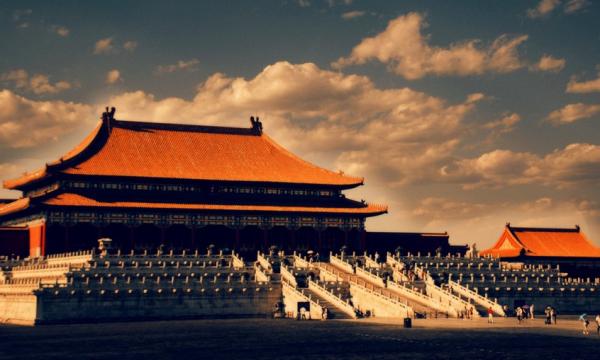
{"x": 525, "y": 312}
{"x": 467, "y": 313}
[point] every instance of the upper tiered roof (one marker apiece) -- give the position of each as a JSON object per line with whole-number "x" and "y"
{"x": 542, "y": 242}
{"x": 187, "y": 152}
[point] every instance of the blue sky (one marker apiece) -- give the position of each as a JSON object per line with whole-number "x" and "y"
{"x": 461, "y": 115}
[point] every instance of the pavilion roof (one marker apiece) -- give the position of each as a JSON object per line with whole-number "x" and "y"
{"x": 186, "y": 152}
{"x": 542, "y": 242}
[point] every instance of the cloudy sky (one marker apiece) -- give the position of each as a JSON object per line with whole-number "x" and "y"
{"x": 461, "y": 115}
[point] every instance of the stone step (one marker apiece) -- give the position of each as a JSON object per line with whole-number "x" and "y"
{"x": 334, "y": 311}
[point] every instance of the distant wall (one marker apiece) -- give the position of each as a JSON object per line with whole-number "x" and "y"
{"x": 410, "y": 242}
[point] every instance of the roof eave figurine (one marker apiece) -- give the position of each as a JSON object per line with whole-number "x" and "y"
{"x": 256, "y": 124}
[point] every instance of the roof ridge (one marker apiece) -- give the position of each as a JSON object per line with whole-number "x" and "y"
{"x": 214, "y": 129}
{"x": 543, "y": 229}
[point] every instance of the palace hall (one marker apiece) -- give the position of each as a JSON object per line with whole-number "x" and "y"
{"x": 147, "y": 185}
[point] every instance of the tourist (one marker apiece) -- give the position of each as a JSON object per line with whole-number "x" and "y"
{"x": 585, "y": 323}
{"x": 553, "y": 315}
{"x": 490, "y": 315}
{"x": 598, "y": 324}
{"x": 324, "y": 314}
{"x": 531, "y": 314}
{"x": 547, "y": 312}
{"x": 303, "y": 313}
{"x": 525, "y": 311}
{"x": 519, "y": 314}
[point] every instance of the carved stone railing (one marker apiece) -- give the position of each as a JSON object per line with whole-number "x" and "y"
{"x": 76, "y": 257}
{"x": 475, "y": 297}
{"x": 292, "y": 295}
{"x": 380, "y": 304}
{"x": 287, "y": 275}
{"x": 421, "y": 298}
{"x": 264, "y": 262}
{"x": 370, "y": 277}
{"x": 445, "y": 297}
{"x": 238, "y": 261}
{"x": 394, "y": 263}
{"x": 260, "y": 274}
{"x": 342, "y": 264}
{"x": 370, "y": 262}
{"x": 301, "y": 262}
{"x": 342, "y": 305}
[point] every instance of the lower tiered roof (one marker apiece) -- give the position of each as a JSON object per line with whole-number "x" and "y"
{"x": 76, "y": 200}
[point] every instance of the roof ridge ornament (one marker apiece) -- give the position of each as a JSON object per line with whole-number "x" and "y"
{"x": 108, "y": 117}
{"x": 256, "y": 125}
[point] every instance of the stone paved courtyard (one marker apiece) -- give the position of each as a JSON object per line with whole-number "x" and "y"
{"x": 271, "y": 339}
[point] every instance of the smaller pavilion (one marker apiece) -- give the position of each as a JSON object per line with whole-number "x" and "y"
{"x": 567, "y": 247}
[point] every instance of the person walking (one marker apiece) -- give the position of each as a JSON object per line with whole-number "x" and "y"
{"x": 490, "y": 315}
{"x": 531, "y": 312}
{"x": 598, "y": 324}
{"x": 519, "y": 314}
{"x": 585, "y": 323}
{"x": 547, "y": 312}
{"x": 553, "y": 315}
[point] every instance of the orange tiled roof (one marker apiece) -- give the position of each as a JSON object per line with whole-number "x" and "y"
{"x": 152, "y": 150}
{"x": 69, "y": 199}
{"x": 17, "y": 205}
{"x": 542, "y": 242}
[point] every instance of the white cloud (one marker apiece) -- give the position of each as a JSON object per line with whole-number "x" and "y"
{"x": 575, "y": 164}
{"x": 505, "y": 124}
{"x": 407, "y": 52}
{"x": 60, "y": 30}
{"x": 27, "y": 123}
{"x": 349, "y": 15}
{"x": 104, "y": 46}
{"x": 303, "y": 3}
{"x": 549, "y": 63}
{"x": 573, "y": 112}
{"x": 130, "y": 45}
{"x": 113, "y": 76}
{"x": 544, "y": 8}
{"x": 181, "y": 65}
{"x": 38, "y": 84}
{"x": 574, "y": 6}
{"x": 583, "y": 87}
